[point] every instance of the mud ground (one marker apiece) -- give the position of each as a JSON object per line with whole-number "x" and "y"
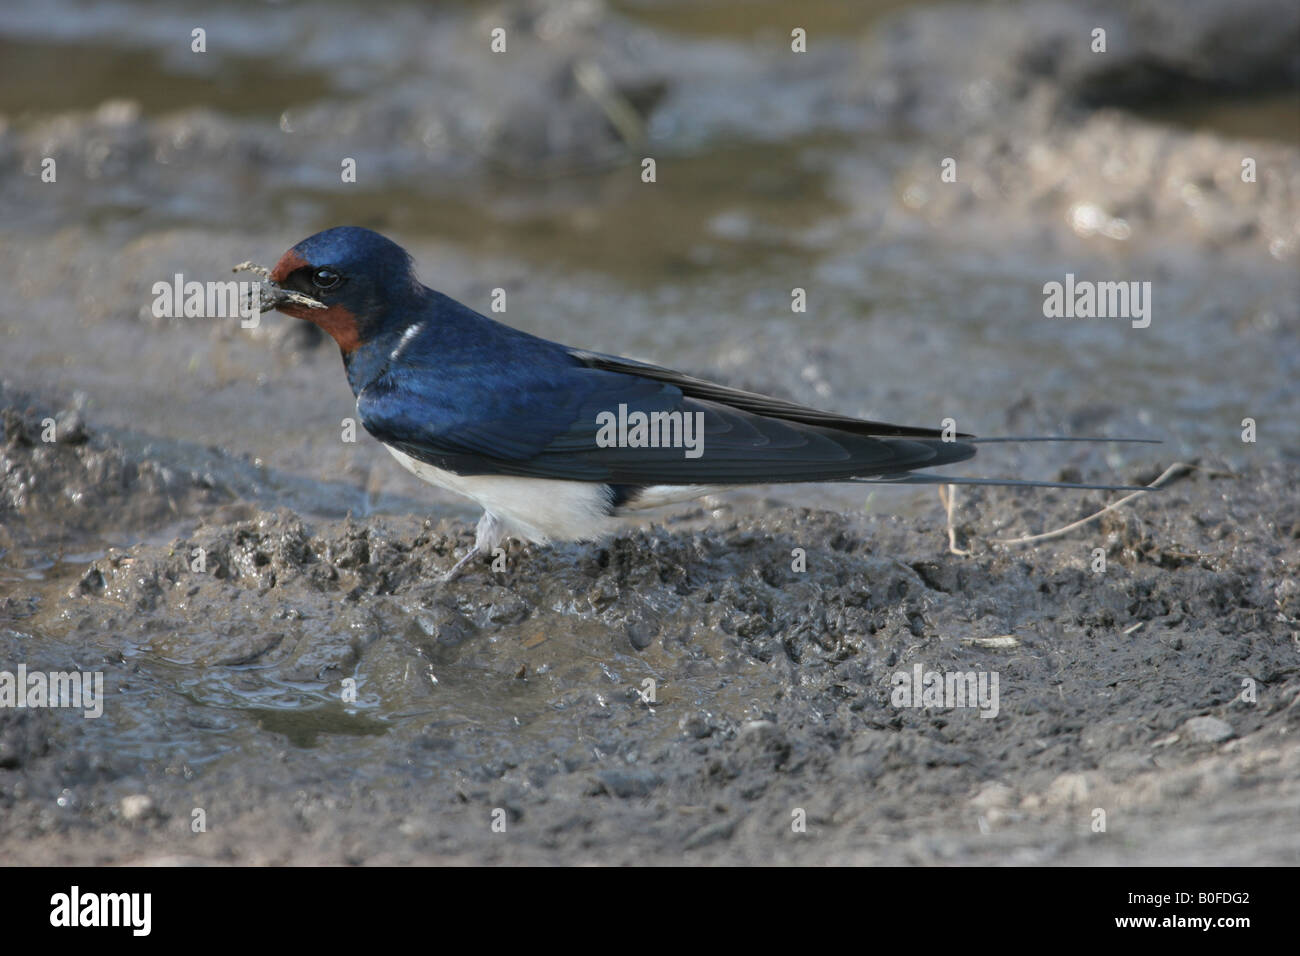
{"x": 716, "y": 684}
{"x": 522, "y": 692}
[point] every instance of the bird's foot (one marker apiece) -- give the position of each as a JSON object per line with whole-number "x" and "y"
{"x": 451, "y": 575}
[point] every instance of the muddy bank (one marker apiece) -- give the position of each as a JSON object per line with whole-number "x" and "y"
{"x": 226, "y": 649}
{"x": 261, "y": 594}
{"x": 59, "y": 484}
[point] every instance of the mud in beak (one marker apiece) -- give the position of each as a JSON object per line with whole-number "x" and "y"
{"x": 271, "y": 295}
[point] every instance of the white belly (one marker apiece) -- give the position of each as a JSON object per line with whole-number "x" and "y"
{"x": 540, "y": 510}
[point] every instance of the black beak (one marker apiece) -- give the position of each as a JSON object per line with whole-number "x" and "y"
{"x": 273, "y": 296}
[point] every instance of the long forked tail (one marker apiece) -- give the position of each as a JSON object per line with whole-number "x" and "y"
{"x": 924, "y": 478}
{"x": 1020, "y": 438}
{"x": 921, "y": 478}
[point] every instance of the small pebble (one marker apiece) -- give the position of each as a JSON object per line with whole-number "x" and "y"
{"x": 136, "y": 807}
{"x": 1208, "y": 730}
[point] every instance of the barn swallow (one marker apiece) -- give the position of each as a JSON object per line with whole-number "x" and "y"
{"x": 554, "y": 442}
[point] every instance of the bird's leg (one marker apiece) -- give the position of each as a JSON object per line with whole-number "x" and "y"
{"x": 487, "y": 535}
{"x": 948, "y": 495}
{"x": 456, "y": 568}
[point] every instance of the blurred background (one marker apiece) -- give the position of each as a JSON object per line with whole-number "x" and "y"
{"x": 775, "y": 170}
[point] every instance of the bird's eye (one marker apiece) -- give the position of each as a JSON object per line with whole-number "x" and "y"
{"x": 325, "y": 278}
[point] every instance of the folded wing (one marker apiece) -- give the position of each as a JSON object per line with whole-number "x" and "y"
{"x": 547, "y": 424}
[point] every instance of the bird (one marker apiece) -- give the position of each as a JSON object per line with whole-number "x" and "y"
{"x": 556, "y": 443}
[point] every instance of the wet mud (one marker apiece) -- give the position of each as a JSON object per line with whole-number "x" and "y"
{"x": 674, "y": 694}
{"x": 288, "y": 681}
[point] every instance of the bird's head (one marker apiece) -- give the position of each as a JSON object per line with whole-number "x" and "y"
{"x": 362, "y": 280}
